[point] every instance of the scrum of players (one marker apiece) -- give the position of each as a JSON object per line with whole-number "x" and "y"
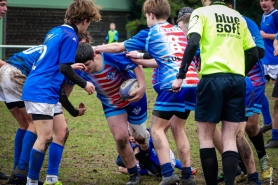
{"x": 190, "y": 72}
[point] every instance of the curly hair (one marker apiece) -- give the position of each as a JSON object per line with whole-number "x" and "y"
{"x": 80, "y": 10}
{"x": 85, "y": 35}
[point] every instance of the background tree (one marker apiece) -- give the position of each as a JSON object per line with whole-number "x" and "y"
{"x": 137, "y": 20}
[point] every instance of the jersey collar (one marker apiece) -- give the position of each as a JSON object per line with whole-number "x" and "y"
{"x": 74, "y": 27}
{"x": 217, "y": 2}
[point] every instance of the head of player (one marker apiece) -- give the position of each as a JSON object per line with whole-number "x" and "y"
{"x": 183, "y": 18}
{"x": 156, "y": 11}
{"x": 112, "y": 26}
{"x": 3, "y": 7}
{"x": 267, "y": 5}
{"x": 85, "y": 37}
{"x": 81, "y": 13}
{"x": 85, "y": 55}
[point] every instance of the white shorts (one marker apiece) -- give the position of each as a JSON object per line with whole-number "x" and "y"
{"x": 11, "y": 83}
{"x": 271, "y": 70}
{"x": 43, "y": 108}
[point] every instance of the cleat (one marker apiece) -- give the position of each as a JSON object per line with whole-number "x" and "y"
{"x": 56, "y": 183}
{"x": 220, "y": 177}
{"x": 267, "y": 170}
{"x": 189, "y": 181}
{"x": 271, "y": 144}
{"x": 194, "y": 170}
{"x": 18, "y": 176}
{"x": 266, "y": 128}
{"x": 173, "y": 179}
{"x": 3, "y": 176}
{"x": 134, "y": 179}
{"x": 241, "y": 178}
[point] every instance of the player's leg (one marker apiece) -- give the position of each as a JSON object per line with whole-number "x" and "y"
{"x": 55, "y": 152}
{"x": 273, "y": 143}
{"x": 42, "y": 115}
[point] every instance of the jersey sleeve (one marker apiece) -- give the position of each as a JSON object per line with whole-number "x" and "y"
{"x": 138, "y": 42}
{"x": 247, "y": 39}
{"x": 276, "y": 36}
{"x": 68, "y": 49}
{"x": 196, "y": 23}
{"x": 275, "y": 19}
{"x": 119, "y": 60}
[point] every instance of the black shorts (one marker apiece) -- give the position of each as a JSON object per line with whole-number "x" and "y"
{"x": 168, "y": 114}
{"x": 220, "y": 97}
{"x": 275, "y": 90}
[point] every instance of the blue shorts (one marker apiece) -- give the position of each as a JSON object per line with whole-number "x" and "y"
{"x": 249, "y": 97}
{"x": 180, "y": 101}
{"x": 136, "y": 111}
{"x": 259, "y": 98}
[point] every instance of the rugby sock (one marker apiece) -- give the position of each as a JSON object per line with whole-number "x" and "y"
{"x": 266, "y": 111}
{"x": 178, "y": 164}
{"x": 31, "y": 181}
{"x": 143, "y": 172}
{"x": 229, "y": 163}
{"x": 167, "y": 170}
{"x": 186, "y": 172}
{"x": 18, "y": 145}
{"x": 274, "y": 134}
{"x": 254, "y": 177}
{"x": 36, "y": 161}
{"x": 241, "y": 165}
{"x": 132, "y": 170}
{"x": 28, "y": 142}
{"x": 55, "y": 153}
{"x": 258, "y": 142}
{"x": 209, "y": 165}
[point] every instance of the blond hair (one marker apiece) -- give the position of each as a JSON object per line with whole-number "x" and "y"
{"x": 80, "y": 10}
{"x": 160, "y": 8}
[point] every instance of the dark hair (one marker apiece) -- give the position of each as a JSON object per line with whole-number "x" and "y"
{"x": 85, "y": 35}
{"x": 229, "y": 2}
{"x": 84, "y": 53}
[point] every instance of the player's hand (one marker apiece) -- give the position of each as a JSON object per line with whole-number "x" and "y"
{"x": 176, "y": 86}
{"x": 132, "y": 54}
{"x": 81, "y": 109}
{"x": 78, "y": 66}
{"x": 263, "y": 34}
{"x": 137, "y": 94}
{"x": 275, "y": 51}
{"x": 90, "y": 88}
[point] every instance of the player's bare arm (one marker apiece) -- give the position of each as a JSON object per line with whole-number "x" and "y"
{"x": 275, "y": 45}
{"x": 267, "y": 35}
{"x": 2, "y": 63}
{"x": 110, "y": 48}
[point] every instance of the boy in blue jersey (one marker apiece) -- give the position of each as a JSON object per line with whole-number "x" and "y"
{"x": 273, "y": 143}
{"x": 3, "y": 9}
{"x": 165, "y": 43}
{"x": 40, "y": 91}
{"x": 14, "y": 73}
{"x": 107, "y": 72}
{"x": 269, "y": 28}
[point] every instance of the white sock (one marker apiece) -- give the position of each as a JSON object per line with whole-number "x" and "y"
{"x": 51, "y": 179}
{"x": 31, "y": 181}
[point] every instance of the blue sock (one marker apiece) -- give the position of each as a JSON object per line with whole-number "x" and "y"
{"x": 36, "y": 161}
{"x": 18, "y": 140}
{"x": 266, "y": 111}
{"x": 143, "y": 172}
{"x": 178, "y": 164}
{"x": 55, "y": 153}
{"x": 186, "y": 172}
{"x": 167, "y": 170}
{"x": 254, "y": 177}
{"x": 274, "y": 134}
{"x": 28, "y": 142}
{"x": 132, "y": 170}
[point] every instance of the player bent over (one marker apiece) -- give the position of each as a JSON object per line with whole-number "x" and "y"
{"x": 107, "y": 72}
{"x": 40, "y": 91}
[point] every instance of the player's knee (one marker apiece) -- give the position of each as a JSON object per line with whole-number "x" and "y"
{"x": 240, "y": 135}
{"x": 48, "y": 141}
{"x": 276, "y": 106}
{"x": 122, "y": 142}
{"x": 66, "y": 135}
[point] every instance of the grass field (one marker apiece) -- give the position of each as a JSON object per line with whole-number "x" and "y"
{"x": 90, "y": 154}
